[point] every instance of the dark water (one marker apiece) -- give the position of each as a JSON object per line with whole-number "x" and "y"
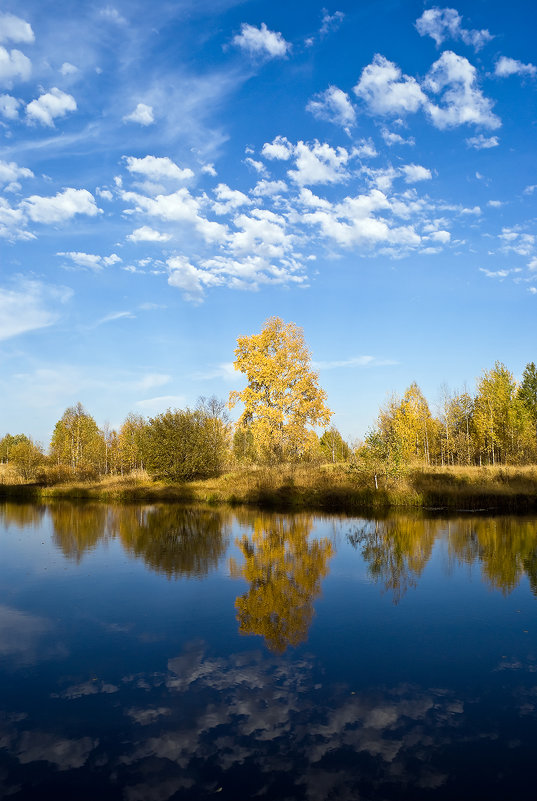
{"x": 155, "y": 652}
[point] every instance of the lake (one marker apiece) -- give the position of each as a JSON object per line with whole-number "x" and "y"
{"x": 163, "y": 652}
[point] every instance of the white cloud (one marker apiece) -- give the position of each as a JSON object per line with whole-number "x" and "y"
{"x": 10, "y": 171}
{"x": 280, "y": 148}
{"x": 15, "y": 29}
{"x": 191, "y": 280}
{"x": 110, "y": 318}
{"x": 356, "y": 222}
{"x": 261, "y": 41}
{"x": 481, "y": 142}
{"x": 12, "y": 222}
{"x": 365, "y": 149}
{"x": 179, "y": 206}
{"x": 142, "y": 114}
{"x": 331, "y": 22}
{"x": 157, "y": 168}
{"x": 27, "y": 307}
{"x": 209, "y": 169}
{"x": 9, "y": 107}
{"x": 462, "y": 100}
{"x": 391, "y": 138}
{"x": 258, "y": 166}
{"x": 63, "y": 206}
{"x": 510, "y": 66}
{"x": 229, "y": 199}
{"x": 415, "y": 172}
{"x": 385, "y": 90}
{"x": 495, "y": 204}
{"x": 49, "y": 106}
{"x": 90, "y": 261}
{"x": 501, "y": 274}
{"x": 529, "y": 190}
{"x": 68, "y": 69}
{"x": 14, "y": 66}
{"x": 269, "y": 188}
{"x": 147, "y": 234}
{"x": 334, "y": 106}
{"x": 319, "y": 163}
{"x": 446, "y": 23}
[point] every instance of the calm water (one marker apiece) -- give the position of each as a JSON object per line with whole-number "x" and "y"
{"x": 156, "y": 652}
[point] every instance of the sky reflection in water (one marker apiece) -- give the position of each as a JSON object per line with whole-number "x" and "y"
{"x": 155, "y": 652}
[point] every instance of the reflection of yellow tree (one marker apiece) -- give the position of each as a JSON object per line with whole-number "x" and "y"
{"x": 506, "y": 547}
{"x": 173, "y": 540}
{"x": 396, "y": 551}
{"x": 284, "y": 569}
{"x": 22, "y": 515}
{"x": 78, "y": 527}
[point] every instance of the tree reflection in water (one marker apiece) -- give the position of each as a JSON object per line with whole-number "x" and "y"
{"x": 397, "y": 550}
{"x": 176, "y": 541}
{"x": 284, "y": 569}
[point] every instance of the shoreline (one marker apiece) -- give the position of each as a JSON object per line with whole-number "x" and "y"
{"x": 487, "y": 490}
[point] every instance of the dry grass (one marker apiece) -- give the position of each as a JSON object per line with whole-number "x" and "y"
{"x": 326, "y": 487}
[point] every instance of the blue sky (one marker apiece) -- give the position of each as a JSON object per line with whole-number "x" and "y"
{"x": 174, "y": 173}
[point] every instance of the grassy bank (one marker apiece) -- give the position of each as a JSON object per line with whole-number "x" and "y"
{"x": 327, "y": 488}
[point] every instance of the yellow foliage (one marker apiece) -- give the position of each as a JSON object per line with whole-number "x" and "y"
{"x": 283, "y": 397}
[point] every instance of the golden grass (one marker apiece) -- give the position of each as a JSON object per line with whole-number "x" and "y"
{"x": 326, "y": 487}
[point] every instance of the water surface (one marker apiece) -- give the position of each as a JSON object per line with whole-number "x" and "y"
{"x": 158, "y": 652}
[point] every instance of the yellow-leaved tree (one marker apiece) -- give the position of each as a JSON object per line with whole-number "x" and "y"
{"x": 283, "y": 397}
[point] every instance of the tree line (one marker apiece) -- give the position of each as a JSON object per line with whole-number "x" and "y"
{"x": 283, "y": 405}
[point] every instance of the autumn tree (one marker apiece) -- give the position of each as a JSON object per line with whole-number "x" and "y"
{"x": 184, "y": 444}
{"x": 28, "y": 457}
{"x": 333, "y": 447}
{"x": 527, "y": 392}
{"x": 502, "y": 421}
{"x": 283, "y": 397}
{"x": 77, "y": 441}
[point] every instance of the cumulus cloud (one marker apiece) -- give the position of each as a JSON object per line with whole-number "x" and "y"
{"x": 14, "y": 66}
{"x": 319, "y": 163}
{"x": 481, "y": 142}
{"x": 142, "y": 114}
{"x": 261, "y": 41}
{"x": 9, "y": 107}
{"x": 191, "y": 280}
{"x": 15, "y": 29}
{"x": 446, "y": 23}
{"x": 63, "y": 206}
{"x": 510, "y": 66}
{"x": 147, "y": 234}
{"x": 462, "y": 102}
{"x": 269, "y": 188}
{"x": 178, "y": 206}
{"x": 391, "y": 138}
{"x": 334, "y": 106}
{"x": 68, "y": 69}
{"x": 90, "y": 261}
{"x": 280, "y": 148}
{"x": 386, "y": 91}
{"x": 157, "y": 168}
{"x": 415, "y": 172}
{"x": 49, "y": 106}
{"x": 10, "y": 171}
{"x": 229, "y": 199}
{"x": 29, "y": 306}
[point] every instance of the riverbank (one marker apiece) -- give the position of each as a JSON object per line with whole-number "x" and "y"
{"x": 326, "y": 488}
